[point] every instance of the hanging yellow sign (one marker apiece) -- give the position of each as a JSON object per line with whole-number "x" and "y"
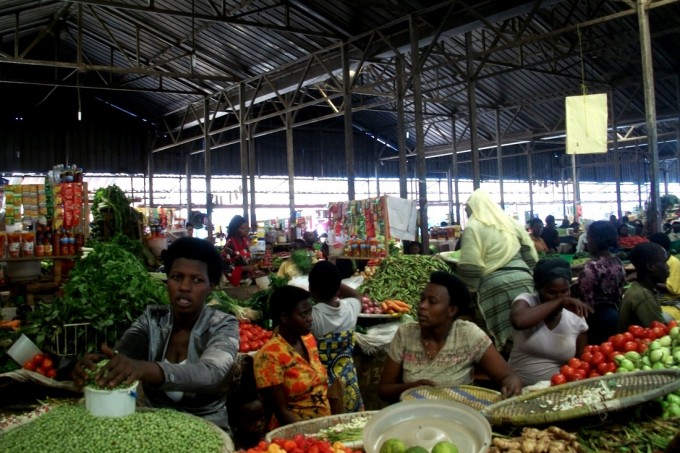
{"x": 586, "y": 124}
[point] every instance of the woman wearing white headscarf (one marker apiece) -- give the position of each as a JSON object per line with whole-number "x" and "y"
{"x": 496, "y": 259}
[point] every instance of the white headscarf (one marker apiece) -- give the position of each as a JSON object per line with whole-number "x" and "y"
{"x": 491, "y": 236}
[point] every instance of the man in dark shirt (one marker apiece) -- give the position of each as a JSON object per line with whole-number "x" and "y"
{"x": 550, "y": 234}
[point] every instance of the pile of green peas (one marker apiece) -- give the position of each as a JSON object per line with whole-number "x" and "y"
{"x": 70, "y": 428}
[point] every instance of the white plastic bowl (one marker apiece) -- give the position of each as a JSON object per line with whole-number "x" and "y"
{"x": 22, "y": 350}
{"x": 262, "y": 282}
{"x": 111, "y": 403}
{"x": 425, "y": 422}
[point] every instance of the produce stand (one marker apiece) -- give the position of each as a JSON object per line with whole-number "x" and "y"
{"x": 362, "y": 229}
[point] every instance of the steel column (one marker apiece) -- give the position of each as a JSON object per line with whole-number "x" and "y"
{"x": 243, "y": 146}
{"x": 615, "y": 152}
{"x": 149, "y": 169}
{"x": 677, "y": 129}
{"x": 290, "y": 160}
{"x": 650, "y": 114}
{"x": 530, "y": 171}
{"x": 416, "y": 69}
{"x": 577, "y": 191}
{"x": 208, "y": 166}
{"x": 499, "y": 157}
{"x": 187, "y": 164}
{"x": 349, "y": 131}
{"x": 472, "y": 105}
{"x": 454, "y": 167}
{"x": 252, "y": 170}
{"x": 401, "y": 128}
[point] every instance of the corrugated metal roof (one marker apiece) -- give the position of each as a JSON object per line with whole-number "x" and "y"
{"x": 527, "y": 55}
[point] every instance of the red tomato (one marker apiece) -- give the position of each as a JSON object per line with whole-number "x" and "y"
{"x": 637, "y": 331}
{"x": 655, "y": 324}
{"x": 584, "y": 366}
{"x": 30, "y": 365}
{"x": 642, "y": 347}
{"x": 580, "y": 374}
{"x": 597, "y": 359}
{"x": 611, "y": 367}
{"x": 558, "y": 379}
{"x": 606, "y": 347}
{"x": 658, "y": 332}
{"x": 672, "y": 324}
{"x": 566, "y": 370}
{"x": 587, "y": 357}
{"x": 52, "y": 373}
{"x": 38, "y": 359}
{"x": 595, "y": 349}
{"x": 574, "y": 362}
{"x": 42, "y": 370}
{"x": 630, "y": 346}
{"x": 603, "y": 367}
{"x": 618, "y": 341}
{"x": 628, "y": 336}
{"x": 593, "y": 374}
{"x": 588, "y": 348}
{"x": 47, "y": 363}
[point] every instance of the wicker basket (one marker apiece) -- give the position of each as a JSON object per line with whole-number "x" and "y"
{"x": 314, "y": 425}
{"x": 470, "y": 395}
{"x": 615, "y": 391}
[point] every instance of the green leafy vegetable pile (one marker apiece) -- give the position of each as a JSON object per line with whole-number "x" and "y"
{"x": 112, "y": 214}
{"x": 108, "y": 289}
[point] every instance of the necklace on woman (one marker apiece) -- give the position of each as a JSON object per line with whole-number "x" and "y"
{"x": 430, "y": 351}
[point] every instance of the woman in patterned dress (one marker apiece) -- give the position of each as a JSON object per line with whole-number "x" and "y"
{"x": 440, "y": 349}
{"x": 288, "y": 371}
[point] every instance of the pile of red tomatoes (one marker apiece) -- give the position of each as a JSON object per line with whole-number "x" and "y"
{"x": 299, "y": 444}
{"x": 252, "y": 336}
{"x": 43, "y": 364}
{"x": 600, "y": 360}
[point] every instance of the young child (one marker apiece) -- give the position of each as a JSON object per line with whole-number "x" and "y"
{"x": 640, "y": 304}
{"x": 333, "y": 323}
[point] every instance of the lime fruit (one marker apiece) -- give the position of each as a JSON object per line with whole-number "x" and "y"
{"x": 393, "y": 446}
{"x": 445, "y": 447}
{"x": 417, "y": 450}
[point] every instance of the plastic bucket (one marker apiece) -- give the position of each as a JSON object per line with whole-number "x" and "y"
{"x": 23, "y": 350}
{"x": 111, "y": 403}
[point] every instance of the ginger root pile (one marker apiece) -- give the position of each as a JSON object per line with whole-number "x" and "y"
{"x": 532, "y": 440}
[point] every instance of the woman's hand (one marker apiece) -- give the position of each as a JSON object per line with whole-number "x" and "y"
{"x": 80, "y": 372}
{"x": 120, "y": 369}
{"x": 577, "y": 307}
{"x": 511, "y": 385}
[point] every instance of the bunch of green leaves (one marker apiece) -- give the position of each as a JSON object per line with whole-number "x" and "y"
{"x": 260, "y": 300}
{"x": 108, "y": 290}
{"x": 302, "y": 259}
{"x": 112, "y": 214}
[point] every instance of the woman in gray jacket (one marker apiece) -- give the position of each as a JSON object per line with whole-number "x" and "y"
{"x": 182, "y": 352}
